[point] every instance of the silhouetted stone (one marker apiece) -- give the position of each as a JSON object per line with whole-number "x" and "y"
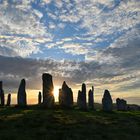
{"x": 133, "y": 107}
{"x": 121, "y": 104}
{"x": 39, "y": 98}
{"x": 8, "y": 100}
{"x": 65, "y": 96}
{"x": 2, "y": 99}
{"x": 48, "y": 97}
{"x": 60, "y": 98}
{"x": 107, "y": 101}
{"x": 21, "y": 96}
{"x": 91, "y": 98}
{"x": 81, "y": 100}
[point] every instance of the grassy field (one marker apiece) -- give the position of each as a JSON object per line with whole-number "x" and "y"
{"x": 34, "y": 123}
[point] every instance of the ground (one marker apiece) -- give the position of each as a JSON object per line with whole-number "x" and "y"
{"x": 35, "y": 123}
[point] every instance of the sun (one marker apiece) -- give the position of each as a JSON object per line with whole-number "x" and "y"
{"x": 56, "y": 91}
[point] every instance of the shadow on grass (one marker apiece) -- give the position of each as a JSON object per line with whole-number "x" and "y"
{"x": 37, "y": 123}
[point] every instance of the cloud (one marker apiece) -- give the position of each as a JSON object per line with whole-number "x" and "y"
{"x": 21, "y": 29}
{"x": 75, "y": 49}
{"x": 106, "y": 33}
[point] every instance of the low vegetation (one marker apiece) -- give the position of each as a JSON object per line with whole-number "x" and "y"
{"x": 35, "y": 123}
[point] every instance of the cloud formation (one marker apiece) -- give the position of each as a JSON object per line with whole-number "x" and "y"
{"x": 92, "y": 41}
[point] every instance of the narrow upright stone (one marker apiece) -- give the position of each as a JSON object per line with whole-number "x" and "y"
{"x": 21, "y": 96}
{"x": 39, "y": 98}
{"x": 48, "y": 97}
{"x": 91, "y": 98}
{"x": 60, "y": 97}
{"x": 2, "y": 98}
{"x": 65, "y": 96}
{"x": 121, "y": 104}
{"x": 107, "y": 101}
{"x": 81, "y": 100}
{"x": 8, "y": 100}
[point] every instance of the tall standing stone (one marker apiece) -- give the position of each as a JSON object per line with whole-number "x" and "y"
{"x": 60, "y": 97}
{"x": 2, "y": 98}
{"x": 48, "y": 97}
{"x": 81, "y": 100}
{"x": 8, "y": 100}
{"x": 39, "y": 98}
{"x": 65, "y": 96}
{"x": 91, "y": 98}
{"x": 121, "y": 104}
{"x": 107, "y": 101}
{"x": 21, "y": 96}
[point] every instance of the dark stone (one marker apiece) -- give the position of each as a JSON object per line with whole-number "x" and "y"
{"x": 81, "y": 100}
{"x": 133, "y": 107}
{"x": 48, "y": 97}
{"x": 60, "y": 97}
{"x": 107, "y": 101}
{"x": 121, "y": 104}
{"x": 91, "y": 98}
{"x": 65, "y": 96}
{"x": 39, "y": 98}
{"x": 8, "y": 100}
{"x": 21, "y": 96}
{"x": 2, "y": 98}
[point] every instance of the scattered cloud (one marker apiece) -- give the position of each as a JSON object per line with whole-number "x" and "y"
{"x": 106, "y": 33}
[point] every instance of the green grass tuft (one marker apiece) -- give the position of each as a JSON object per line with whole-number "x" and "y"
{"x": 34, "y": 123}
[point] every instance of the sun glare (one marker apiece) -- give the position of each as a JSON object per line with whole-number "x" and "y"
{"x": 56, "y": 92}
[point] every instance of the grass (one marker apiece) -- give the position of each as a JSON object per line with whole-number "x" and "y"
{"x": 34, "y": 123}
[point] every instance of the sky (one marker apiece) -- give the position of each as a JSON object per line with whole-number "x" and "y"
{"x": 96, "y": 42}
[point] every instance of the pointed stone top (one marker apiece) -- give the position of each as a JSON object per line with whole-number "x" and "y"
{"x": 64, "y": 85}
{"x": 23, "y": 82}
{"x": 107, "y": 94}
{"x": 90, "y": 90}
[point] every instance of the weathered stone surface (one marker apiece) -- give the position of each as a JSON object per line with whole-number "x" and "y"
{"x": 91, "y": 98}
{"x": 66, "y": 96}
{"x": 121, "y": 104}
{"x": 8, "y": 100}
{"x": 2, "y": 99}
{"x": 21, "y": 96}
{"x": 39, "y": 98}
{"x": 107, "y": 101}
{"x": 81, "y": 100}
{"x": 48, "y": 97}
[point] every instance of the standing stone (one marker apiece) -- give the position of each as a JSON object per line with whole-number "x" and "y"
{"x": 107, "y": 101}
{"x": 60, "y": 98}
{"x": 21, "y": 96}
{"x": 121, "y": 104}
{"x": 91, "y": 98}
{"x": 39, "y": 98}
{"x": 65, "y": 96}
{"x": 81, "y": 100}
{"x": 9, "y": 99}
{"x": 2, "y": 99}
{"x": 48, "y": 97}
